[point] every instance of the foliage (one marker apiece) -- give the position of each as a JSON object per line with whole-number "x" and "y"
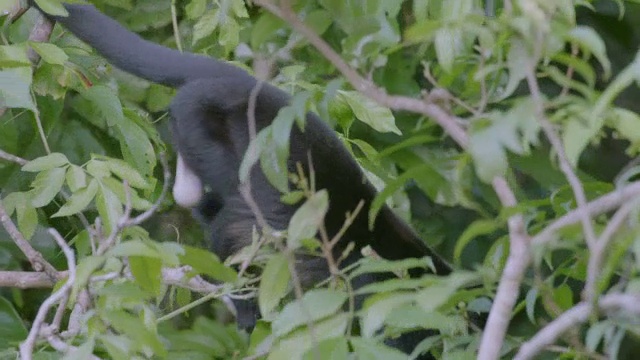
{"x": 543, "y": 92}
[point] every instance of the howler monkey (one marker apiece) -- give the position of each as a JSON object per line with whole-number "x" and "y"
{"x": 210, "y": 131}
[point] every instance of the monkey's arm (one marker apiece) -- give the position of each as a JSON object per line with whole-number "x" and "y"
{"x": 131, "y": 53}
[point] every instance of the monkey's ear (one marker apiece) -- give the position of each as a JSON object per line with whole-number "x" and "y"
{"x": 187, "y": 189}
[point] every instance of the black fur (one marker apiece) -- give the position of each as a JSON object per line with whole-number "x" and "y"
{"x": 210, "y": 130}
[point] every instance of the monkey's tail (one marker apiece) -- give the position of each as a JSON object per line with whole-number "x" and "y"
{"x": 131, "y": 53}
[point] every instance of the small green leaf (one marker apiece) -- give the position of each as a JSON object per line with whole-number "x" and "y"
{"x": 371, "y": 113}
{"x": 46, "y": 186}
{"x": 264, "y": 29}
{"x": 372, "y": 350}
{"x": 125, "y": 172}
{"x": 591, "y": 41}
{"x": 109, "y": 208}
{"x": 47, "y": 162}
{"x": 133, "y": 248}
{"x": 148, "y": 273}
{"x": 303, "y": 341}
{"x": 98, "y": 169}
{"x": 477, "y": 228}
{"x": 15, "y": 88}
{"x": 76, "y": 178}
{"x": 448, "y": 42}
{"x": 206, "y": 262}
{"x": 12, "y": 329}
{"x": 274, "y": 285}
{"x": 105, "y": 100}
{"x": 52, "y": 7}
{"x": 79, "y": 200}
{"x": 49, "y": 52}
{"x": 205, "y": 26}
{"x": 377, "y": 307}
{"x": 314, "y": 305}
{"x": 307, "y": 219}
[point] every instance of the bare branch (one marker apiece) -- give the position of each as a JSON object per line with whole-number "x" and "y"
{"x": 36, "y": 259}
{"x": 558, "y": 147}
{"x": 599, "y": 249}
{"x": 601, "y": 205}
{"x": 28, "y": 279}
{"x": 26, "y": 348}
{"x": 574, "y": 317}
{"x": 10, "y": 157}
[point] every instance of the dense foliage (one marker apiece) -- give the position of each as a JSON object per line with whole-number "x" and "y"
{"x": 504, "y": 131}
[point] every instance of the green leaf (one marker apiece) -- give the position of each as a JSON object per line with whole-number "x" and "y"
{"x": 12, "y": 329}
{"x": 563, "y": 297}
{"x": 117, "y": 187}
{"x": 627, "y": 124}
{"x": 46, "y": 186}
{"x": 448, "y": 42}
{"x": 264, "y": 29}
{"x": 84, "y": 351}
{"x": 377, "y": 307}
{"x": 98, "y": 169}
{"x": 27, "y": 216}
{"x": 118, "y": 346}
{"x": 590, "y": 41}
{"x": 229, "y": 34}
{"x": 106, "y": 102}
{"x": 49, "y": 52}
{"x": 134, "y": 248}
{"x": 46, "y": 162}
{"x": 518, "y": 59}
{"x": 368, "y": 266}
{"x": 109, "y": 208}
{"x": 432, "y": 297}
{"x": 195, "y": 8}
{"x": 125, "y": 172}
{"x": 331, "y": 349}
{"x": 369, "y": 112}
{"x": 314, "y": 305}
{"x": 136, "y": 146}
{"x": 205, "y": 26}
{"x": 76, "y": 178}
{"x": 147, "y": 272}
{"x": 134, "y": 327}
{"x": 274, "y": 285}
{"x": 303, "y": 341}
{"x": 52, "y": 7}
{"x": 273, "y": 161}
{"x": 318, "y": 20}
{"x": 14, "y": 56}
{"x": 515, "y": 130}
{"x": 372, "y": 350}
{"x": 15, "y": 88}
{"x": 239, "y": 9}
{"x": 477, "y": 228}
{"x": 85, "y": 269}
{"x": 79, "y": 200}
{"x": 307, "y": 219}
{"x": 206, "y": 262}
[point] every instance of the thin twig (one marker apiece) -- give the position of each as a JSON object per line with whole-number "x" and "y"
{"x": 37, "y": 261}
{"x": 573, "y": 317}
{"x": 601, "y": 205}
{"x": 598, "y": 251}
{"x": 558, "y": 147}
{"x": 10, "y": 157}
{"x": 27, "y": 347}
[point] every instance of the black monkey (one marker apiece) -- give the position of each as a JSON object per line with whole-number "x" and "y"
{"x": 209, "y": 124}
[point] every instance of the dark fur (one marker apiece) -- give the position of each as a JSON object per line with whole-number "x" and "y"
{"x": 210, "y": 130}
